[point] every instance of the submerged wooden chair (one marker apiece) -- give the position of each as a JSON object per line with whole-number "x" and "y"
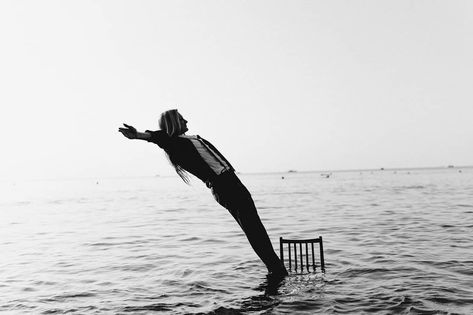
{"x": 300, "y": 254}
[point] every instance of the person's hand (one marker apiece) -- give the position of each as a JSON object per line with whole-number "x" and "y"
{"x": 129, "y": 132}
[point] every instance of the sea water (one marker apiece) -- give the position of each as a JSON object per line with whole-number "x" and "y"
{"x": 395, "y": 242}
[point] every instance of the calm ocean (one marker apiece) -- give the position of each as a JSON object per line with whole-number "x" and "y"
{"x": 396, "y": 242}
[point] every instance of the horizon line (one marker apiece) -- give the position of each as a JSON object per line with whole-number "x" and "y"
{"x": 290, "y": 171}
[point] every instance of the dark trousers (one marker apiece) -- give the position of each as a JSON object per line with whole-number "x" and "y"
{"x": 229, "y": 191}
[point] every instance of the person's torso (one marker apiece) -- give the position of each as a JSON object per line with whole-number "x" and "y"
{"x": 217, "y": 163}
{"x": 193, "y": 154}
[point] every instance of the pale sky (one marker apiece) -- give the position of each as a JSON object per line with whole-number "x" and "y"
{"x": 275, "y": 85}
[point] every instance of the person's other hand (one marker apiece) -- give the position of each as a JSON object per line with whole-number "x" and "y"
{"x": 129, "y": 132}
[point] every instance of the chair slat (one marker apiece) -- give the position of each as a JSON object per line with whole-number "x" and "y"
{"x": 306, "y": 257}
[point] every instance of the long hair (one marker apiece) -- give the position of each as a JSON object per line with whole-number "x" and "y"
{"x": 170, "y": 122}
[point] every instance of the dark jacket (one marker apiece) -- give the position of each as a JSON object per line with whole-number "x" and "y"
{"x": 183, "y": 153}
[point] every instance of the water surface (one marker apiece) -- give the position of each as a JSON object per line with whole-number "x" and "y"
{"x": 395, "y": 242}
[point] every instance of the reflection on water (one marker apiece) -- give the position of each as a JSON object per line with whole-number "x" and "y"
{"x": 394, "y": 243}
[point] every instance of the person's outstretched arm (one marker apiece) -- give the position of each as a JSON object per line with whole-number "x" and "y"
{"x": 131, "y": 133}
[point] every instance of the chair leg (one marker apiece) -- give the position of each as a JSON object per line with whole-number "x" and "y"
{"x": 307, "y": 257}
{"x": 313, "y": 256}
{"x": 322, "y": 260}
{"x": 281, "y": 250}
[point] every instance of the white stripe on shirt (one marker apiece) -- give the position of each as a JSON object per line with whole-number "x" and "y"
{"x": 212, "y": 158}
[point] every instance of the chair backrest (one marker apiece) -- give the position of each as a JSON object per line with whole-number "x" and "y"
{"x": 296, "y": 253}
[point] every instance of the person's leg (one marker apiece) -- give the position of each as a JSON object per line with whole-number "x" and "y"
{"x": 255, "y": 231}
{"x": 237, "y": 200}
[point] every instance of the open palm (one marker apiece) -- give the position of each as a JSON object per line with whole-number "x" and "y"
{"x": 129, "y": 132}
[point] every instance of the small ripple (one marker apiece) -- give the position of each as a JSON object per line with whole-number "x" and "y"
{"x": 202, "y": 287}
{"x": 424, "y": 310}
{"x": 80, "y": 310}
{"x": 41, "y": 282}
{"x": 64, "y": 297}
{"x": 222, "y": 310}
{"x": 16, "y": 306}
{"x": 28, "y": 289}
{"x": 159, "y": 307}
{"x": 135, "y": 267}
{"x": 190, "y": 239}
{"x": 446, "y": 300}
{"x": 403, "y": 304}
{"x": 111, "y": 244}
{"x": 357, "y": 272}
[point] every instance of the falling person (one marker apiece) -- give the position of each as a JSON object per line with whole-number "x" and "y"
{"x": 197, "y": 156}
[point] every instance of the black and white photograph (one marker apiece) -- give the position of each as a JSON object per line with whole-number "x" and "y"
{"x": 236, "y": 157}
